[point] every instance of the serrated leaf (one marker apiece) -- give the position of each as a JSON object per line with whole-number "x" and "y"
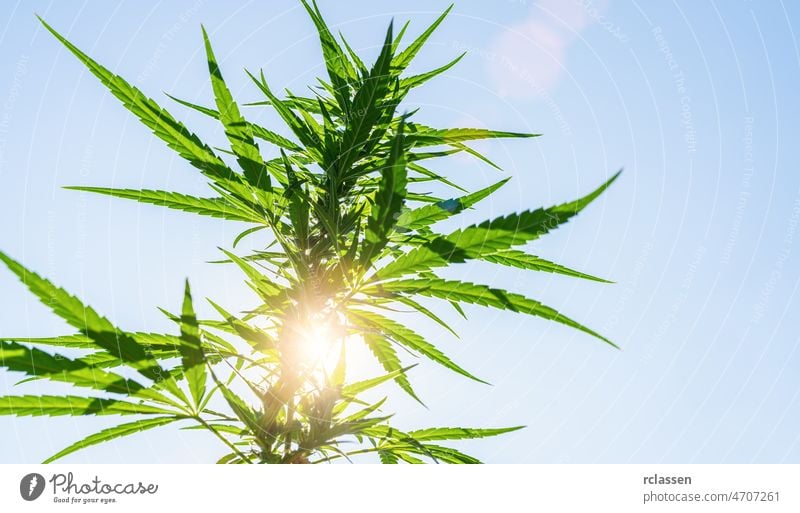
{"x": 163, "y": 125}
{"x": 522, "y": 260}
{"x": 457, "y": 433}
{"x": 386, "y": 355}
{"x": 299, "y": 204}
{"x": 262, "y": 283}
{"x": 487, "y": 238}
{"x": 258, "y": 131}
{"x": 387, "y": 457}
{"x": 106, "y": 360}
{"x": 340, "y": 70}
{"x": 354, "y": 389}
{"x": 418, "y": 80}
{"x": 407, "y": 457}
{"x": 192, "y": 355}
{"x": 404, "y": 58}
{"x": 34, "y": 362}
{"x": 359, "y": 65}
{"x": 430, "y": 214}
{"x": 363, "y": 127}
{"x": 77, "y": 341}
{"x": 157, "y": 341}
{"x": 94, "y": 326}
{"x": 258, "y": 339}
{"x": 424, "y": 311}
{"x": 222, "y": 428}
{"x": 297, "y": 125}
{"x": 430, "y": 174}
{"x": 406, "y": 337}
{"x": 388, "y": 201}
{"x": 421, "y": 135}
{"x": 48, "y": 405}
{"x": 213, "y": 207}
{"x": 241, "y": 409}
{"x": 111, "y": 434}
{"x": 238, "y": 131}
{"x": 473, "y": 293}
{"x": 364, "y": 412}
{"x": 447, "y": 455}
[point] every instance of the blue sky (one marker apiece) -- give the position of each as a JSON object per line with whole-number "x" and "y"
{"x": 696, "y": 100}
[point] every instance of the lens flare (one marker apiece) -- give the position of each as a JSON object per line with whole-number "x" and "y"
{"x": 317, "y": 342}
{"x": 319, "y": 339}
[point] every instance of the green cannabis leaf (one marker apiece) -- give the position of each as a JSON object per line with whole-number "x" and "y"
{"x": 349, "y": 239}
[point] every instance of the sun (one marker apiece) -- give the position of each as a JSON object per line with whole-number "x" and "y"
{"x": 322, "y": 343}
{"x": 317, "y": 342}
{"x": 320, "y": 339}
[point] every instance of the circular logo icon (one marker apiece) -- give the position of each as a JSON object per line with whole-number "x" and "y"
{"x": 31, "y": 486}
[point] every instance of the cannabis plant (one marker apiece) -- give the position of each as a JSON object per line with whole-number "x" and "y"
{"x": 348, "y": 249}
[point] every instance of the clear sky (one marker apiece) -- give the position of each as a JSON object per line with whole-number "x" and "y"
{"x": 696, "y": 100}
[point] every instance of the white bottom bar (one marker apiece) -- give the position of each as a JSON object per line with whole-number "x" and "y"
{"x": 389, "y": 489}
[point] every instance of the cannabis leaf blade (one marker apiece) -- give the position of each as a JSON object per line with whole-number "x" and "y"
{"x": 487, "y": 237}
{"x": 163, "y": 125}
{"x": 406, "y": 337}
{"x": 48, "y": 405}
{"x": 474, "y": 293}
{"x": 237, "y": 129}
{"x": 111, "y": 434}
{"x": 214, "y": 207}
{"x": 192, "y": 357}
{"x": 89, "y": 322}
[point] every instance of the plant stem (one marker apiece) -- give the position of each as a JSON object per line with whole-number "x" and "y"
{"x": 224, "y": 440}
{"x": 289, "y": 419}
